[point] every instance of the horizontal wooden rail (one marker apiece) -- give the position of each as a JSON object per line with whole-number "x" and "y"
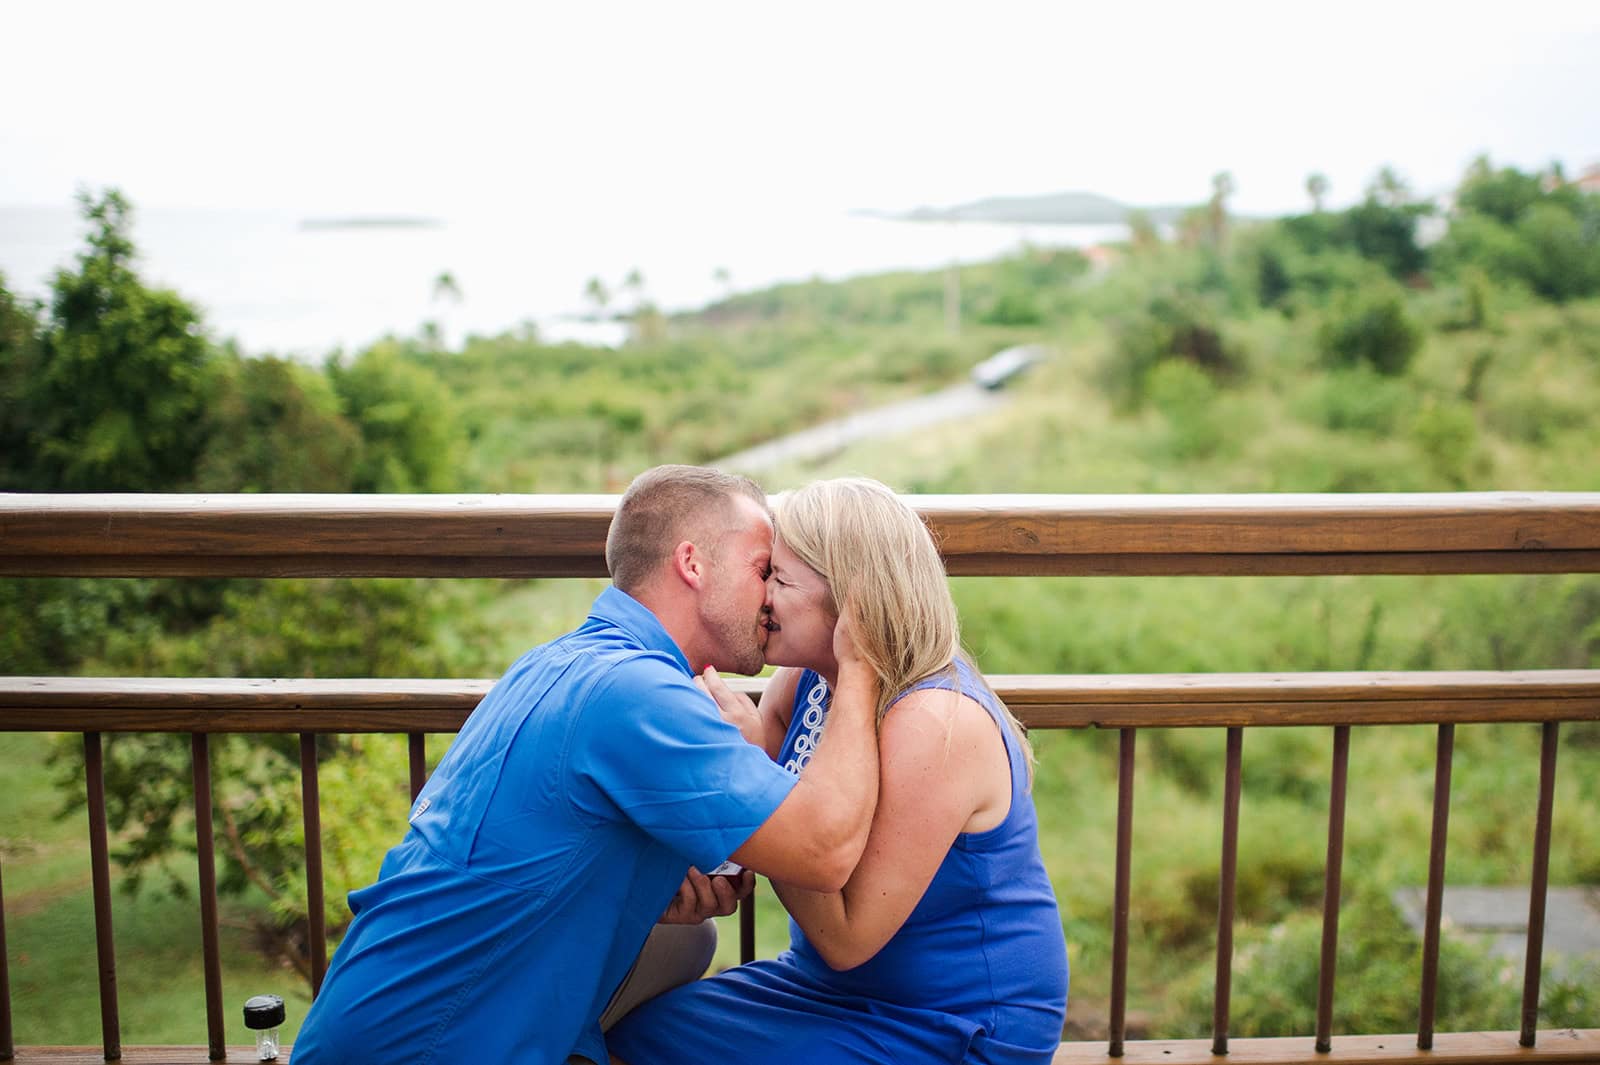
{"x": 1160, "y": 700}
{"x": 564, "y": 536}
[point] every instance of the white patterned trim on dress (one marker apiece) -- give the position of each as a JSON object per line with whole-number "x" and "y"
{"x": 812, "y": 719}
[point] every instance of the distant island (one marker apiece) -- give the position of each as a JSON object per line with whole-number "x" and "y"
{"x": 1057, "y": 209}
{"x": 369, "y": 222}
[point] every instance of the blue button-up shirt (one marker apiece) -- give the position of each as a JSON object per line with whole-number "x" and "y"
{"x": 548, "y": 841}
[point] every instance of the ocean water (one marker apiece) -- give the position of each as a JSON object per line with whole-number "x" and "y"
{"x": 275, "y": 285}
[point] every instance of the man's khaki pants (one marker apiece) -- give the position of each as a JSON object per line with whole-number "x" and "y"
{"x": 673, "y": 955}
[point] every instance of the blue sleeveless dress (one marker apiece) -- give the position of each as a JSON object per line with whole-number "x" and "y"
{"x": 978, "y": 972}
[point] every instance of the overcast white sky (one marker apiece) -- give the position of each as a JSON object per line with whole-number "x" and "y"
{"x": 443, "y": 108}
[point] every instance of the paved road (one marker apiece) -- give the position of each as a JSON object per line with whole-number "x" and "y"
{"x": 1497, "y": 917}
{"x": 819, "y": 441}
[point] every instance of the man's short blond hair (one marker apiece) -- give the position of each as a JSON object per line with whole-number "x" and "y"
{"x": 665, "y": 506}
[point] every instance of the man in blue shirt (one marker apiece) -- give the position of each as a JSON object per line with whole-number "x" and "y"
{"x": 561, "y": 823}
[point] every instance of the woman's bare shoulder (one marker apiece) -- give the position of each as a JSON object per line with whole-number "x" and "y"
{"x": 778, "y": 699}
{"x": 940, "y": 713}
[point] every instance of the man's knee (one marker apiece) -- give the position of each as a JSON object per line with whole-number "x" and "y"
{"x": 673, "y": 955}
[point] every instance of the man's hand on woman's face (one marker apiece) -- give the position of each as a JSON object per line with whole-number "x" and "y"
{"x": 737, "y": 708}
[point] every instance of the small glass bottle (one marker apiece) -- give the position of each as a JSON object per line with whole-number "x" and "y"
{"x": 263, "y": 1014}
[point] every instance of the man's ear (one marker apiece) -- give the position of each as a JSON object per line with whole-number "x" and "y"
{"x": 689, "y": 564}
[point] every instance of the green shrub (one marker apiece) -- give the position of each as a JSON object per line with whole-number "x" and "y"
{"x": 1275, "y": 974}
{"x": 409, "y": 438}
{"x": 1563, "y": 260}
{"x": 1358, "y": 399}
{"x": 1486, "y": 244}
{"x": 1171, "y": 326}
{"x": 275, "y": 426}
{"x": 1534, "y": 412}
{"x": 1386, "y": 234}
{"x": 1371, "y": 326}
{"x": 48, "y": 624}
{"x": 1471, "y": 304}
{"x": 1324, "y": 465}
{"x": 1382, "y": 235}
{"x": 1570, "y": 995}
{"x": 1502, "y": 195}
{"x": 1525, "y": 229}
{"x": 1447, "y": 435}
{"x": 1015, "y": 306}
{"x": 1187, "y": 399}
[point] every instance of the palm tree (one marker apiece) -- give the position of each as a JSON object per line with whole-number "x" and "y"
{"x": 445, "y": 287}
{"x": 1222, "y": 187}
{"x": 597, "y": 293}
{"x": 1317, "y": 189}
{"x": 1142, "y": 232}
{"x": 1389, "y": 188}
{"x": 446, "y": 290}
{"x": 634, "y": 283}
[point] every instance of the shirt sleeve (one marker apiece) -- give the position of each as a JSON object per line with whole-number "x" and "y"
{"x": 656, "y": 751}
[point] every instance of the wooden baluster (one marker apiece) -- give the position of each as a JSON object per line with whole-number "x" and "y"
{"x": 7, "y": 1047}
{"x": 747, "y": 929}
{"x": 1430, "y": 932}
{"x": 1332, "y": 880}
{"x": 1119, "y": 912}
{"x": 1541, "y": 881}
{"x": 416, "y": 742}
{"x": 100, "y": 863}
{"x": 205, "y": 852}
{"x": 311, "y": 812}
{"x": 1225, "y": 889}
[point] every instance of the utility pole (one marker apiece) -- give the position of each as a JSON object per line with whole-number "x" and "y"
{"x": 952, "y": 291}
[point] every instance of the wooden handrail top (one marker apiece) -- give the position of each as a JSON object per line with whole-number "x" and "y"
{"x": 1170, "y": 700}
{"x": 547, "y": 536}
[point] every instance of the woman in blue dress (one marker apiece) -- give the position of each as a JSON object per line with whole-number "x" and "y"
{"x": 945, "y": 945}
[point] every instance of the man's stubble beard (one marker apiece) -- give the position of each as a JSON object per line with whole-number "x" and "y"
{"x": 739, "y": 646}
{"x": 737, "y": 639}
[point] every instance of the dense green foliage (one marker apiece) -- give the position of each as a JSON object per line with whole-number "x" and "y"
{"x": 1392, "y": 346}
{"x": 114, "y": 400}
{"x": 1371, "y": 326}
{"x": 1534, "y": 230}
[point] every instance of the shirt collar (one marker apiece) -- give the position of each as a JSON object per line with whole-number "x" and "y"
{"x": 616, "y": 607}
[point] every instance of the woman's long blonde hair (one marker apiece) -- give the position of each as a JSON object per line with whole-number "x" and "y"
{"x": 879, "y": 558}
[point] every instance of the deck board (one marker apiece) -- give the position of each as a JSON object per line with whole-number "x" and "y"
{"x": 143, "y": 1055}
{"x": 1449, "y": 1048}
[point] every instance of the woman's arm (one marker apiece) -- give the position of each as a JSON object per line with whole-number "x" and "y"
{"x": 943, "y": 770}
{"x": 816, "y": 836}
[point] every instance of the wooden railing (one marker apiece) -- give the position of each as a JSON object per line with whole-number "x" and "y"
{"x": 991, "y": 535}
